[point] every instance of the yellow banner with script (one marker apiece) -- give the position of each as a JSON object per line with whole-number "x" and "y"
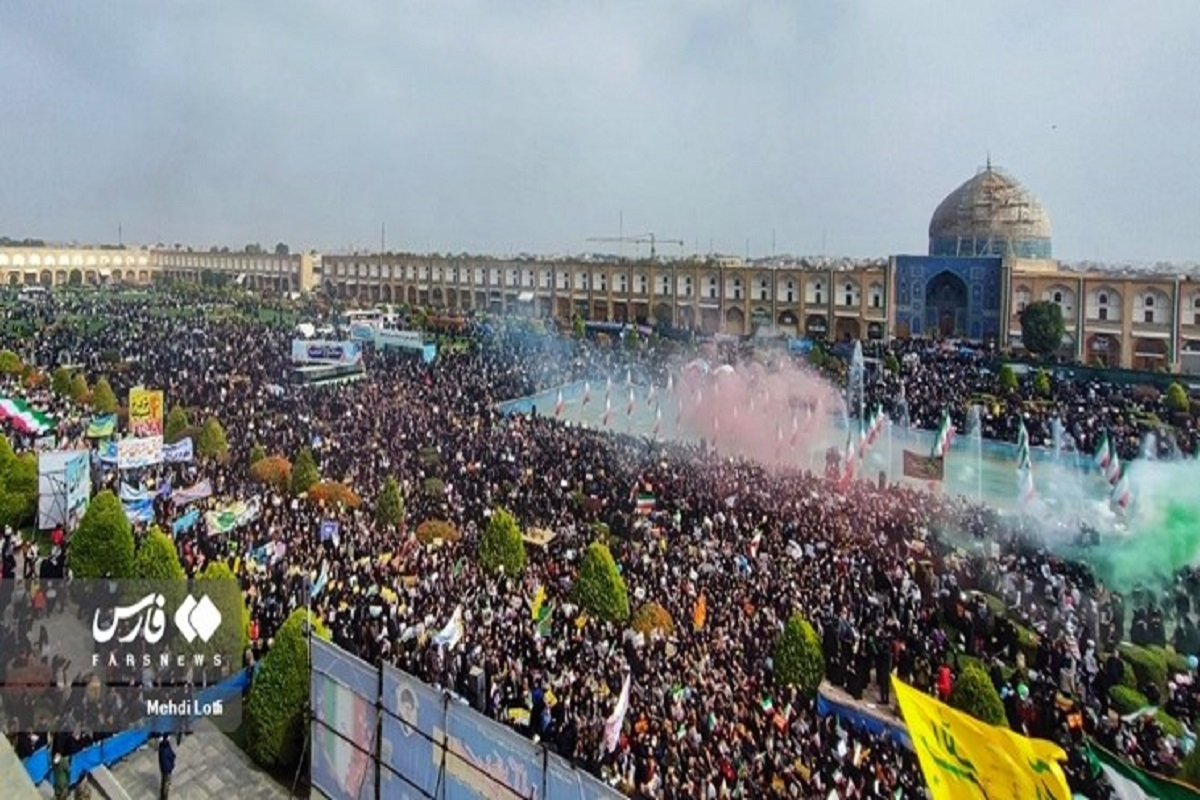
{"x": 962, "y": 757}
{"x": 145, "y": 412}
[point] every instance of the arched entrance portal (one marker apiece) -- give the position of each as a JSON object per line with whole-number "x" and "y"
{"x": 946, "y": 305}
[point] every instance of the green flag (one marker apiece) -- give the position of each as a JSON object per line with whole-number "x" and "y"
{"x": 1131, "y": 783}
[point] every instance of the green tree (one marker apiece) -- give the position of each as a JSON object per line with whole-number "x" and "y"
{"x": 632, "y": 339}
{"x": 60, "y": 382}
{"x": 502, "y": 548}
{"x": 389, "y": 505}
{"x": 975, "y": 694}
{"x": 232, "y": 637}
{"x": 275, "y": 725}
{"x": 257, "y": 453}
{"x": 304, "y": 471}
{"x": 102, "y": 546}
{"x": 18, "y": 486}
{"x": 797, "y": 659}
{"x": 211, "y": 442}
{"x": 104, "y": 400}
{"x": 176, "y": 425}
{"x": 1177, "y": 399}
{"x": 578, "y": 329}
{"x": 1041, "y": 383}
{"x": 79, "y": 388}
{"x": 10, "y": 363}
{"x": 600, "y": 590}
{"x": 1042, "y": 327}
{"x": 157, "y": 559}
{"x": 1008, "y": 378}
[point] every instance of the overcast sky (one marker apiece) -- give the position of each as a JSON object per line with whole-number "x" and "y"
{"x": 526, "y": 126}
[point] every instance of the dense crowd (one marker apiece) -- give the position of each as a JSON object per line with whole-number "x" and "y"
{"x": 930, "y": 378}
{"x": 894, "y": 579}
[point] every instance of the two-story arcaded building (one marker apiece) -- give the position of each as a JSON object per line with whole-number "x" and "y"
{"x": 990, "y": 254}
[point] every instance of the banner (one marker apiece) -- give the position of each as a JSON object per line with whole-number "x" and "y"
{"x": 64, "y": 487}
{"x": 926, "y": 468}
{"x": 186, "y": 522}
{"x": 133, "y": 494}
{"x": 962, "y": 757}
{"x": 324, "y": 352}
{"x": 145, "y": 412}
{"x": 102, "y": 426}
{"x": 224, "y": 520}
{"x": 139, "y": 510}
{"x": 178, "y": 453}
{"x": 199, "y": 491}
{"x": 136, "y": 453}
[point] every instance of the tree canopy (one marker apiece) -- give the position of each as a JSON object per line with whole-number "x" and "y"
{"x": 1042, "y": 327}
{"x": 102, "y": 546}
{"x": 600, "y": 590}
{"x": 211, "y": 442}
{"x": 502, "y": 548}
{"x": 104, "y": 400}
{"x": 304, "y": 471}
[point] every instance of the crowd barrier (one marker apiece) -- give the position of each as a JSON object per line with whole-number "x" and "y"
{"x": 379, "y": 732}
{"x": 109, "y": 751}
{"x": 962, "y": 444}
{"x": 854, "y": 716}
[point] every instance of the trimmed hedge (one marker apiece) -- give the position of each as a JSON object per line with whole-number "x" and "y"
{"x": 797, "y": 659}
{"x": 1126, "y": 700}
{"x": 974, "y": 694}
{"x": 233, "y": 636}
{"x": 1175, "y": 662}
{"x": 334, "y": 493}
{"x": 600, "y": 590}
{"x": 275, "y": 471}
{"x": 432, "y": 530}
{"x": 304, "y": 471}
{"x": 389, "y": 505}
{"x": 275, "y": 728}
{"x": 157, "y": 560}
{"x": 102, "y": 546}
{"x": 652, "y": 617}
{"x": 1149, "y": 667}
{"x": 502, "y": 548}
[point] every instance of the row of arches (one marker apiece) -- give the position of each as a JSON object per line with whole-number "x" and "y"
{"x": 1151, "y": 305}
{"x": 73, "y": 277}
{"x": 762, "y": 287}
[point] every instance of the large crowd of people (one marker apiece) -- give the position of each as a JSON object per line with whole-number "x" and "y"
{"x": 894, "y": 579}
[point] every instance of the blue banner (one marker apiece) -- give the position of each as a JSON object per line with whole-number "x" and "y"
{"x": 140, "y": 510}
{"x": 186, "y": 522}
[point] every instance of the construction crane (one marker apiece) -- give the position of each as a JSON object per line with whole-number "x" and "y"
{"x": 648, "y": 238}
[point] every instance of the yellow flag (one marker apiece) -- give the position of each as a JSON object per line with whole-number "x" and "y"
{"x": 539, "y": 597}
{"x": 700, "y": 612}
{"x": 962, "y": 757}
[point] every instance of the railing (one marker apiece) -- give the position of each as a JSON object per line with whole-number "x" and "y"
{"x": 378, "y": 732}
{"x": 109, "y": 751}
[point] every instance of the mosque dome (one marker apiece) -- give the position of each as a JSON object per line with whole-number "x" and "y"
{"x": 991, "y": 214}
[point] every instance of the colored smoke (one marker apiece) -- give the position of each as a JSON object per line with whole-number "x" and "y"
{"x": 1163, "y": 531}
{"x": 775, "y": 416}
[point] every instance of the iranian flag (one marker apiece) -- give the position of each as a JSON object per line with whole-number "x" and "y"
{"x": 24, "y": 418}
{"x": 645, "y": 503}
{"x": 1113, "y": 473}
{"x": 1121, "y": 494}
{"x": 1103, "y": 453}
{"x": 943, "y": 436}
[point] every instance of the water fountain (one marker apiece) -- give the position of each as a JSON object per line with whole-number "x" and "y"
{"x": 855, "y": 395}
{"x": 975, "y": 434}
